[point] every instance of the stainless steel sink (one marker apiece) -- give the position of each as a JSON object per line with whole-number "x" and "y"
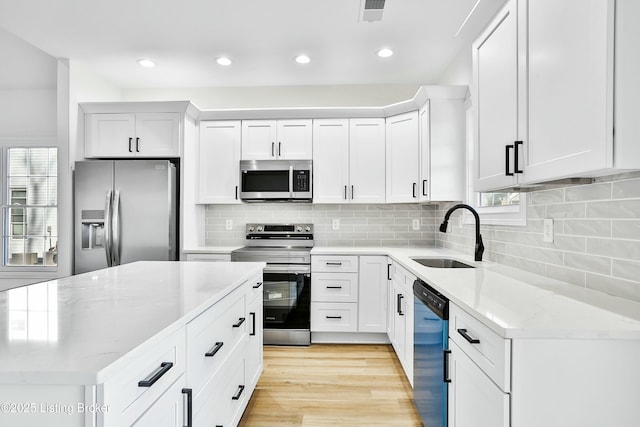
{"x": 442, "y": 263}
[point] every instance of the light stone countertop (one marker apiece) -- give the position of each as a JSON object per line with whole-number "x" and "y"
{"x": 515, "y": 303}
{"x": 80, "y": 329}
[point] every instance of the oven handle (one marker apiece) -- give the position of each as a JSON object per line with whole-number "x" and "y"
{"x": 292, "y": 269}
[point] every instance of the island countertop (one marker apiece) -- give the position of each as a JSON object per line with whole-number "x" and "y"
{"x": 79, "y": 329}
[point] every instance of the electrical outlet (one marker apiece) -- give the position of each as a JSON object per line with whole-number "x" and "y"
{"x": 548, "y": 230}
{"x": 415, "y": 224}
{"x": 229, "y": 224}
{"x": 335, "y": 224}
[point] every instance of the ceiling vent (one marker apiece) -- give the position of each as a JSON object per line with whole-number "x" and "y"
{"x": 372, "y": 10}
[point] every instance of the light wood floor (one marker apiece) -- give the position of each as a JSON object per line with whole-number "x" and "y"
{"x": 331, "y": 385}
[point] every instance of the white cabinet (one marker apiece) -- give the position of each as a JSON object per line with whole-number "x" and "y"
{"x": 442, "y": 154}
{"x": 348, "y": 156}
{"x": 168, "y": 410}
{"x": 402, "y": 158}
{"x": 132, "y": 135}
{"x": 401, "y": 312}
{"x": 219, "y": 162}
{"x": 208, "y": 257}
{"x": 276, "y": 139}
{"x": 544, "y": 93}
{"x": 254, "y": 363}
{"x": 372, "y": 294}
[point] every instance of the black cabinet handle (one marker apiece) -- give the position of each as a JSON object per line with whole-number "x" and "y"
{"x": 445, "y": 364}
{"x": 352, "y": 192}
{"x": 273, "y": 145}
{"x": 156, "y": 375}
{"x": 334, "y": 287}
{"x": 515, "y": 157}
{"x": 333, "y": 317}
{"x": 240, "y": 322}
{"x": 467, "y": 337}
{"x": 253, "y": 323}
{"x": 214, "y": 350}
{"x": 257, "y": 285}
{"x": 507, "y": 148}
{"x": 345, "y": 192}
{"x": 424, "y": 187}
{"x": 414, "y": 189}
{"x": 334, "y": 263}
{"x": 388, "y": 271}
{"x": 236, "y": 192}
{"x": 188, "y": 421}
{"x": 399, "y": 301}
{"x": 239, "y": 393}
{"x": 279, "y": 149}
{"x": 130, "y": 149}
{"x": 137, "y": 145}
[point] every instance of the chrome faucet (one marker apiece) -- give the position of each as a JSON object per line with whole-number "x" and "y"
{"x": 479, "y": 245}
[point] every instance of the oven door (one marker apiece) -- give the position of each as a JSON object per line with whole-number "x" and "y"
{"x": 287, "y": 297}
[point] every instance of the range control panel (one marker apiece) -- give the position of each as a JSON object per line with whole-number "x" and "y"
{"x": 283, "y": 229}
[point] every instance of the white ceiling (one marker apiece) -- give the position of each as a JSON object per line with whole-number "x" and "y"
{"x": 262, "y": 37}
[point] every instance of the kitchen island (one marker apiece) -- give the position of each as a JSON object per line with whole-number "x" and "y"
{"x": 123, "y": 345}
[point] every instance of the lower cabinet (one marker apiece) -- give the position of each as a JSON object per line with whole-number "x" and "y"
{"x": 400, "y": 314}
{"x": 168, "y": 410}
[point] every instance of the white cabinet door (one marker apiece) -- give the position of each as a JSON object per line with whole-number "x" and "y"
{"x": 295, "y": 139}
{"x": 255, "y": 352}
{"x": 474, "y": 400}
{"x": 372, "y": 294}
{"x": 330, "y": 160}
{"x": 167, "y": 411}
{"x": 569, "y": 84}
{"x": 110, "y": 135}
{"x": 219, "y": 162}
{"x": 402, "y": 158}
{"x": 399, "y": 321}
{"x": 495, "y": 74}
{"x": 366, "y": 161}
{"x": 259, "y": 139}
{"x": 157, "y": 135}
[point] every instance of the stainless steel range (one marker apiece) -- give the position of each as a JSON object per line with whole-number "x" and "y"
{"x": 286, "y": 248}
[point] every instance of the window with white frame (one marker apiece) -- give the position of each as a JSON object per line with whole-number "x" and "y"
{"x": 30, "y": 207}
{"x": 500, "y": 208}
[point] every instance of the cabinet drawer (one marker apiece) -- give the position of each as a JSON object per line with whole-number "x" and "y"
{"x": 491, "y": 353}
{"x": 208, "y": 257}
{"x": 213, "y": 336}
{"x": 334, "y": 287}
{"x": 126, "y": 397}
{"x": 334, "y": 263}
{"x": 224, "y": 396}
{"x": 334, "y": 317}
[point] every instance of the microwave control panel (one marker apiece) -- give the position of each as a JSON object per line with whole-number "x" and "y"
{"x": 301, "y": 179}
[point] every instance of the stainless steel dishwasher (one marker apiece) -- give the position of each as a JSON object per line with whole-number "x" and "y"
{"x": 430, "y": 344}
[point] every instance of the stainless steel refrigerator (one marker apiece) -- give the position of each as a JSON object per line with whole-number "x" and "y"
{"x": 125, "y": 211}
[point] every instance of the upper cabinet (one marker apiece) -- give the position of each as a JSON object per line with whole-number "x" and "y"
{"x": 348, "y": 157}
{"x": 276, "y": 139}
{"x": 402, "y": 152}
{"x": 125, "y": 135}
{"x": 219, "y": 162}
{"x": 545, "y": 85}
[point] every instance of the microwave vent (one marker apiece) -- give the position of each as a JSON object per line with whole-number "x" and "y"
{"x": 372, "y": 10}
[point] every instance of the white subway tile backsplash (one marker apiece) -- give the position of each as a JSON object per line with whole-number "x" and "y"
{"x": 594, "y": 227}
{"x": 588, "y": 192}
{"x": 626, "y": 189}
{"x": 566, "y": 210}
{"x": 629, "y": 289}
{"x": 629, "y": 270}
{"x": 589, "y": 263}
{"x": 629, "y": 208}
{"x": 615, "y": 248}
{"x": 625, "y": 229}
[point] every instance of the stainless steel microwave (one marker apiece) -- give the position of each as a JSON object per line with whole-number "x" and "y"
{"x": 277, "y": 180}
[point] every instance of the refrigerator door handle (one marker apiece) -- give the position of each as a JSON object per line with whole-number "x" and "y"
{"x": 116, "y": 228}
{"x": 107, "y": 228}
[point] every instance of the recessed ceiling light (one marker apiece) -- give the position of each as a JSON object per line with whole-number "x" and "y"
{"x": 147, "y": 63}
{"x": 303, "y": 59}
{"x": 223, "y": 60}
{"x": 385, "y": 53}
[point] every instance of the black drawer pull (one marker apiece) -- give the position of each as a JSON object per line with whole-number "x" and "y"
{"x": 334, "y": 263}
{"x": 240, "y": 322}
{"x": 516, "y": 168}
{"x": 388, "y": 271}
{"x": 257, "y": 285}
{"x": 214, "y": 350}
{"x": 467, "y": 337}
{"x": 334, "y": 287}
{"x": 188, "y": 421}
{"x": 130, "y": 150}
{"x": 333, "y": 317}
{"x": 399, "y": 298}
{"x": 156, "y": 375}
{"x": 137, "y": 145}
{"x": 239, "y": 393}
{"x": 507, "y": 148}
{"x": 253, "y": 323}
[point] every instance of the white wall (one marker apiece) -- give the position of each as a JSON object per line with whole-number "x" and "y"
{"x": 212, "y": 98}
